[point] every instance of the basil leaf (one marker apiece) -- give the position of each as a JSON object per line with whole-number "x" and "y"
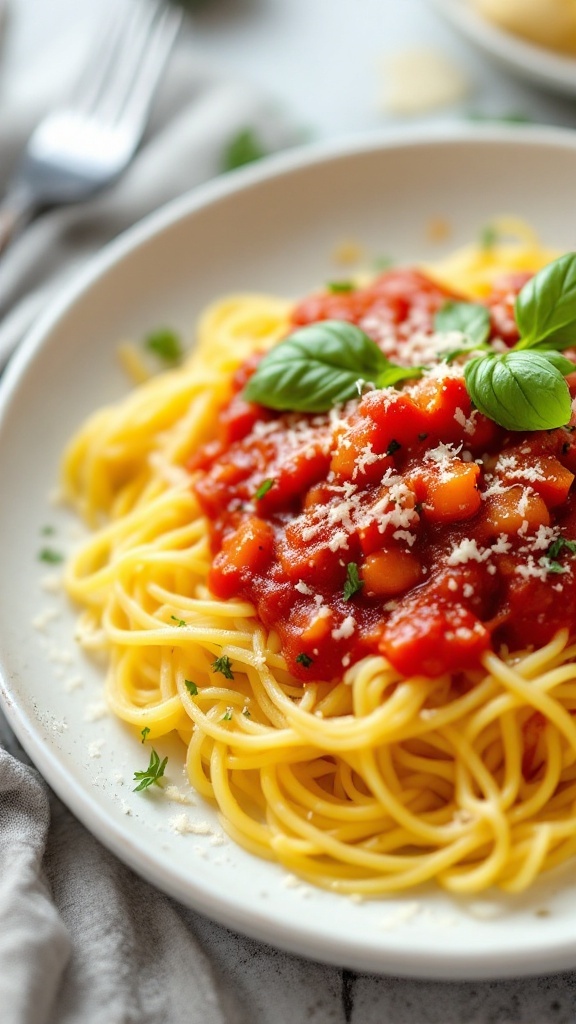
{"x": 392, "y": 374}
{"x": 519, "y": 390}
{"x": 470, "y": 318}
{"x": 558, "y": 360}
{"x": 545, "y": 308}
{"x": 454, "y": 353}
{"x": 319, "y": 366}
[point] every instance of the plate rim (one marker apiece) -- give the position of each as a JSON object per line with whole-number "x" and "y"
{"x": 296, "y": 939}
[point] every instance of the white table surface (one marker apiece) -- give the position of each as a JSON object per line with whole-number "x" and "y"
{"x": 322, "y": 60}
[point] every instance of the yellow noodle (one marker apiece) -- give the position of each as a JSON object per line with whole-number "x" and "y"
{"x": 372, "y": 785}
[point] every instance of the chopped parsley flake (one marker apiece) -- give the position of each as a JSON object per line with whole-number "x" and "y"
{"x": 191, "y": 687}
{"x": 223, "y": 665}
{"x": 340, "y": 287}
{"x": 383, "y": 263}
{"x": 265, "y": 486}
{"x": 393, "y": 447}
{"x": 552, "y": 566}
{"x": 559, "y": 545}
{"x": 145, "y": 733}
{"x": 153, "y": 773}
{"x": 353, "y": 582}
{"x": 243, "y": 148}
{"x": 227, "y": 716}
{"x": 246, "y": 712}
{"x": 304, "y": 659}
{"x": 50, "y": 556}
{"x": 179, "y": 622}
{"x": 554, "y": 552}
{"x": 488, "y": 237}
{"x": 165, "y": 344}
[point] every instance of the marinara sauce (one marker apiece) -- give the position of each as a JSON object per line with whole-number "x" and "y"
{"x": 405, "y": 523}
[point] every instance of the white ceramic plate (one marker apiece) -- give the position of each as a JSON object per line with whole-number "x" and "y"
{"x": 541, "y": 66}
{"x": 273, "y": 227}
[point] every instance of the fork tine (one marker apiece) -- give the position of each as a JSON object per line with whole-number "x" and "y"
{"x": 126, "y": 59}
{"x": 144, "y": 84}
{"x": 102, "y": 59}
{"x": 145, "y": 33}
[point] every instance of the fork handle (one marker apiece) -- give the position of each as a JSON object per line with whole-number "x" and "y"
{"x": 15, "y": 212}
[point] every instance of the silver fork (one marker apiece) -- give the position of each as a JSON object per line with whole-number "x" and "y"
{"x": 82, "y": 146}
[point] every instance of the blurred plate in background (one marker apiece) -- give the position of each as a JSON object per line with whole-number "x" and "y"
{"x": 540, "y": 66}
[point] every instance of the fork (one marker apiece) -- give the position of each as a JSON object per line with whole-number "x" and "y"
{"x": 84, "y": 145}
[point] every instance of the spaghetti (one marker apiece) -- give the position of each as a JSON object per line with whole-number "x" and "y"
{"x": 370, "y": 783}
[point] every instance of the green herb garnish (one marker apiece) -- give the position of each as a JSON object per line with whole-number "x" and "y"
{"x": 191, "y": 687}
{"x": 265, "y": 486}
{"x": 353, "y": 582}
{"x": 507, "y": 389}
{"x": 246, "y": 712}
{"x": 145, "y": 733}
{"x": 50, "y": 556}
{"x": 244, "y": 148}
{"x": 304, "y": 659}
{"x": 223, "y": 665}
{"x": 471, "y": 319}
{"x": 323, "y": 364}
{"x": 488, "y": 237}
{"x": 165, "y": 344}
{"x": 524, "y": 388}
{"x": 153, "y": 773}
{"x": 554, "y": 551}
{"x": 319, "y": 366}
{"x": 179, "y": 622}
{"x": 227, "y": 716}
{"x": 558, "y": 546}
{"x": 340, "y": 287}
{"x": 383, "y": 263}
{"x": 545, "y": 308}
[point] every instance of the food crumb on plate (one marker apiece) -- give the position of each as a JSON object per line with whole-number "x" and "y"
{"x": 51, "y": 582}
{"x": 176, "y": 795}
{"x": 400, "y": 916}
{"x": 96, "y": 711}
{"x": 183, "y": 825}
{"x": 484, "y": 910}
{"x": 44, "y": 618}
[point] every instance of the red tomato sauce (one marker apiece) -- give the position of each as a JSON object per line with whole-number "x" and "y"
{"x": 406, "y": 523}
